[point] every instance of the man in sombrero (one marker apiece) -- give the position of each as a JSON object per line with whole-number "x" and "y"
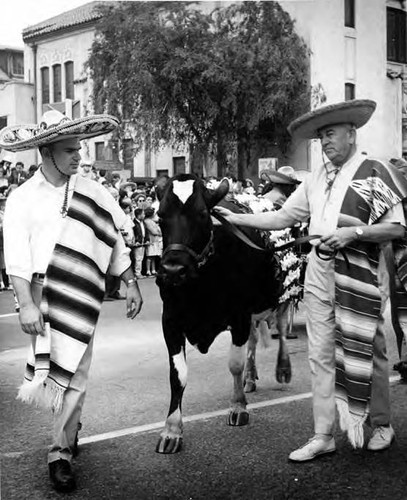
{"x": 354, "y": 204}
{"x": 62, "y": 233}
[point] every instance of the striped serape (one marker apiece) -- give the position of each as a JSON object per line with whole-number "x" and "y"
{"x": 373, "y": 190}
{"x": 73, "y": 292}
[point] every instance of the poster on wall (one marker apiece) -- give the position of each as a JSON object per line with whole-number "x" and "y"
{"x": 269, "y": 163}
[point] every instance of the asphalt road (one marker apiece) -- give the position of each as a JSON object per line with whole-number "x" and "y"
{"x": 126, "y": 405}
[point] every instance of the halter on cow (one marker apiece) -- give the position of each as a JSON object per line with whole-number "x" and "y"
{"x": 209, "y": 281}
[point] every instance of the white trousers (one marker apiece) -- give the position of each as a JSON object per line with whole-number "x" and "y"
{"x": 320, "y": 323}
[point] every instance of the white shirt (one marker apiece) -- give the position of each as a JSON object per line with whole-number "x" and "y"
{"x": 32, "y": 224}
{"x": 311, "y": 199}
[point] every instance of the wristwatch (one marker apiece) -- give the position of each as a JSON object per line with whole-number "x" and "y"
{"x": 359, "y": 233}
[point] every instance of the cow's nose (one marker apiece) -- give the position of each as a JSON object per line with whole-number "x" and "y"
{"x": 172, "y": 269}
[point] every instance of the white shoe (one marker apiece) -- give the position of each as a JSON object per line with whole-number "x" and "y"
{"x": 381, "y": 439}
{"x": 316, "y": 446}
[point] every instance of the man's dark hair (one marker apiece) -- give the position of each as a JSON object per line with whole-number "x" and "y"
{"x": 138, "y": 211}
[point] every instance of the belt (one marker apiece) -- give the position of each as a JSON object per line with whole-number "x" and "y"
{"x": 39, "y": 276}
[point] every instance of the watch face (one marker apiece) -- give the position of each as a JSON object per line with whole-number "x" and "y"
{"x": 359, "y": 231}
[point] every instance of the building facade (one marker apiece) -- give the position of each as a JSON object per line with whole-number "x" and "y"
{"x": 16, "y": 96}
{"x": 358, "y": 49}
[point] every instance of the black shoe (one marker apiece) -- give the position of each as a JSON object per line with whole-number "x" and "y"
{"x": 61, "y": 475}
{"x": 116, "y": 296}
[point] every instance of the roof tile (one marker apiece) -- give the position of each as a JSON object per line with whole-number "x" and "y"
{"x": 74, "y": 17}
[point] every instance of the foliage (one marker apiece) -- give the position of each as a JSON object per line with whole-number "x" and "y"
{"x": 180, "y": 75}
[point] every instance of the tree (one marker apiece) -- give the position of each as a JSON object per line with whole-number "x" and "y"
{"x": 235, "y": 76}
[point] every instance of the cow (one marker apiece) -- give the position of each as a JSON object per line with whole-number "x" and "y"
{"x": 209, "y": 281}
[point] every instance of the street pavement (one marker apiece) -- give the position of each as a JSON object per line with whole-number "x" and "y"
{"x": 126, "y": 405}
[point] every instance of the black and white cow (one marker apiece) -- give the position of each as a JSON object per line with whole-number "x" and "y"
{"x": 209, "y": 281}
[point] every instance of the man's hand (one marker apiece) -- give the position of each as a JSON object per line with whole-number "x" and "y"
{"x": 339, "y": 239}
{"x": 31, "y": 320}
{"x": 224, "y": 212}
{"x": 134, "y": 300}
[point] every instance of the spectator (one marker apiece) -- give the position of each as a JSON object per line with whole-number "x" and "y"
{"x": 154, "y": 249}
{"x": 140, "y": 240}
{"x": 85, "y": 169}
{"x": 31, "y": 170}
{"x": 5, "y": 169}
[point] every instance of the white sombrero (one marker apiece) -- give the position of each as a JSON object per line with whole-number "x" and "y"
{"x": 357, "y": 112}
{"x": 54, "y": 127}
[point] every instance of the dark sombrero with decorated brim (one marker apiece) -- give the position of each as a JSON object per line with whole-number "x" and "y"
{"x": 54, "y": 127}
{"x": 356, "y": 112}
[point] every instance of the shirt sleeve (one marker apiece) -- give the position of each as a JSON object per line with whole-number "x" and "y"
{"x": 296, "y": 208}
{"x": 17, "y": 253}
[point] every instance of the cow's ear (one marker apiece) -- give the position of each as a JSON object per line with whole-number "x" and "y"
{"x": 220, "y": 192}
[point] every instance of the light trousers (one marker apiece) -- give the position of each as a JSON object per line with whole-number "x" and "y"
{"x": 320, "y": 324}
{"x": 138, "y": 259}
{"x": 66, "y": 422}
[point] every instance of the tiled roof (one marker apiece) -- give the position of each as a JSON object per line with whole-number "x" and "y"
{"x": 75, "y": 17}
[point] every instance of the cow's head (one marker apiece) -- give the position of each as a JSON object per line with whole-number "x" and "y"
{"x": 186, "y": 225}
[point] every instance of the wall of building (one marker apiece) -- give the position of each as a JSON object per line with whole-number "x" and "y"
{"x": 342, "y": 55}
{"x": 59, "y": 49}
{"x": 16, "y": 102}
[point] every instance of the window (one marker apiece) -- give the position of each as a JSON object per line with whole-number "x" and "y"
{"x": 69, "y": 86}
{"x": 45, "y": 85}
{"x": 99, "y": 151}
{"x": 396, "y": 35}
{"x": 3, "y": 122}
{"x": 178, "y": 164}
{"x": 350, "y": 13}
{"x": 128, "y": 154}
{"x": 57, "y": 83}
{"x": 17, "y": 64}
{"x": 349, "y": 91}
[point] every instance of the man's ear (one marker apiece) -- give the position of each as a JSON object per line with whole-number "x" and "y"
{"x": 352, "y": 135}
{"x": 45, "y": 152}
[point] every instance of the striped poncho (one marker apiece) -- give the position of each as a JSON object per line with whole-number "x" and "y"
{"x": 73, "y": 292}
{"x": 373, "y": 190}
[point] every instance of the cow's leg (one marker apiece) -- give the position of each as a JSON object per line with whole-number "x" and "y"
{"x": 283, "y": 368}
{"x": 250, "y": 370}
{"x": 238, "y": 414}
{"x": 171, "y": 437}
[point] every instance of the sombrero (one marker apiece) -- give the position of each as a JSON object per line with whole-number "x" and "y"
{"x": 284, "y": 175}
{"x": 357, "y": 112}
{"x": 54, "y": 127}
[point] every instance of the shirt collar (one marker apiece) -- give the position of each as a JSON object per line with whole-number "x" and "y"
{"x": 39, "y": 178}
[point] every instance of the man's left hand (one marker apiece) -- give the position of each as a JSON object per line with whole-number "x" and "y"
{"x": 134, "y": 300}
{"x": 340, "y": 238}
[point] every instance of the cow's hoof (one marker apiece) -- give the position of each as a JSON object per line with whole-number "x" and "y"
{"x": 250, "y": 386}
{"x": 283, "y": 375}
{"x": 238, "y": 418}
{"x": 169, "y": 445}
